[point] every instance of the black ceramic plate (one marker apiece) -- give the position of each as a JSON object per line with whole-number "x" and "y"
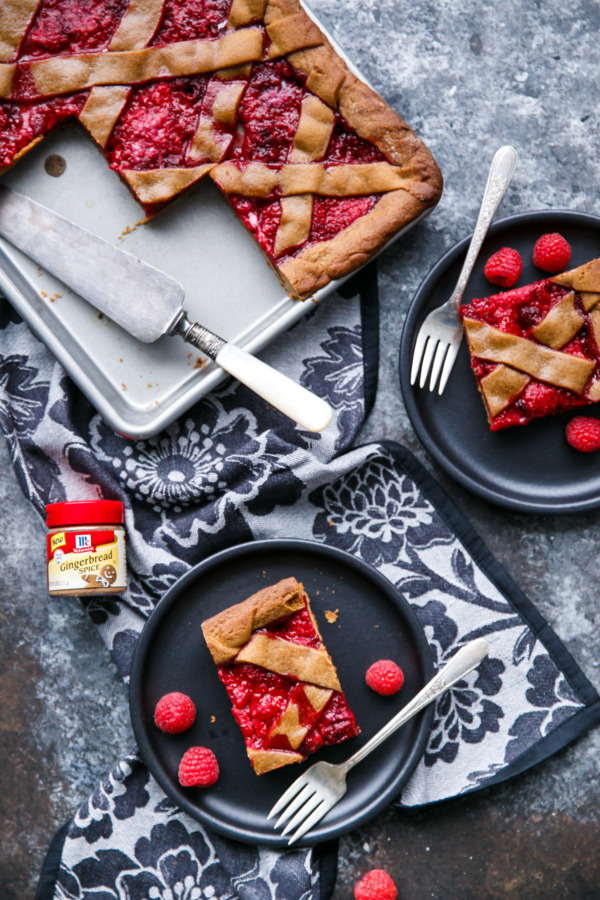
{"x": 374, "y": 622}
{"x": 530, "y": 468}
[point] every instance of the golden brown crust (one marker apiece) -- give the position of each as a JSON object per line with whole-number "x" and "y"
{"x": 159, "y": 185}
{"x": 329, "y": 78}
{"x": 137, "y": 27}
{"x": 327, "y": 261}
{"x": 228, "y": 631}
{"x": 267, "y": 760}
{"x": 551, "y": 366}
{"x": 290, "y": 660}
{"x": 295, "y": 222}
{"x": 560, "y": 324}
{"x": 584, "y": 278}
{"x": 313, "y": 132}
{"x": 256, "y": 179}
{"x": 243, "y": 12}
{"x": 15, "y": 17}
{"x": 501, "y": 387}
{"x": 101, "y": 110}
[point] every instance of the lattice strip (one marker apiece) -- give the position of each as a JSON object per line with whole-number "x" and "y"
{"x": 15, "y": 18}
{"x": 551, "y": 366}
{"x": 62, "y": 75}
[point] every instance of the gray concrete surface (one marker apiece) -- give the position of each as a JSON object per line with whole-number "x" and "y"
{"x": 468, "y": 77}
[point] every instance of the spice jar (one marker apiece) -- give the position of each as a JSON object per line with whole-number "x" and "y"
{"x": 86, "y": 548}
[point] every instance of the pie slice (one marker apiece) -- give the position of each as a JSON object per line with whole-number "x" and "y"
{"x": 248, "y": 92}
{"x": 283, "y": 686}
{"x": 535, "y": 350}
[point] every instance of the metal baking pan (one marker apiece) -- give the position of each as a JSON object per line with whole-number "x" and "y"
{"x": 139, "y": 389}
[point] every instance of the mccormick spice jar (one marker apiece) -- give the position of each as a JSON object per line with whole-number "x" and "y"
{"x": 86, "y": 548}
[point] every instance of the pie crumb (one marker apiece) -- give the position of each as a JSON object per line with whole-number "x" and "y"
{"x": 213, "y": 719}
{"x": 332, "y": 615}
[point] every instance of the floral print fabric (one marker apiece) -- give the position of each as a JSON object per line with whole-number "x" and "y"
{"x": 233, "y": 470}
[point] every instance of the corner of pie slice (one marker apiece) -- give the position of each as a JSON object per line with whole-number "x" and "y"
{"x": 535, "y": 350}
{"x": 284, "y": 689}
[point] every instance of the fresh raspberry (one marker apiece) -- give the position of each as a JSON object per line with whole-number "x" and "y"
{"x": 385, "y": 677}
{"x": 504, "y": 267}
{"x": 376, "y": 885}
{"x": 583, "y": 433}
{"x": 551, "y": 253}
{"x": 198, "y": 768}
{"x": 174, "y": 713}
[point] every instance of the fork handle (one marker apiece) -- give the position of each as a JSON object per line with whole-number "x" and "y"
{"x": 467, "y": 658}
{"x": 501, "y": 172}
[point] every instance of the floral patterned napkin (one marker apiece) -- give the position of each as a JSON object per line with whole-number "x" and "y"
{"x": 232, "y": 471}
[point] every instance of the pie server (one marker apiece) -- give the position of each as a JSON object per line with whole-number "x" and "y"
{"x": 141, "y": 299}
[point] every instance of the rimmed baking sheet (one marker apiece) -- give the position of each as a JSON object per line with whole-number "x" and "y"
{"x": 139, "y": 389}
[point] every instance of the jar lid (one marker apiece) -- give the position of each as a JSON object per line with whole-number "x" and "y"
{"x": 84, "y": 512}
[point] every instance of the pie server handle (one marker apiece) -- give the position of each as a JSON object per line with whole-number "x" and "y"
{"x": 289, "y": 397}
{"x": 141, "y": 299}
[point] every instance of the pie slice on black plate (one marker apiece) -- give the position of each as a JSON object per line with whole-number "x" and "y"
{"x": 535, "y": 350}
{"x": 284, "y": 689}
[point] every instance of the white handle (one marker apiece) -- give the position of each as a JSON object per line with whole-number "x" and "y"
{"x": 290, "y": 398}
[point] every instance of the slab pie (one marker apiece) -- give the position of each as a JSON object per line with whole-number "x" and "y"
{"x": 284, "y": 689}
{"x": 535, "y": 350}
{"x": 247, "y": 92}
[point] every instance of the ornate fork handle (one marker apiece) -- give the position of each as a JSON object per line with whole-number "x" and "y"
{"x": 501, "y": 171}
{"x": 467, "y": 658}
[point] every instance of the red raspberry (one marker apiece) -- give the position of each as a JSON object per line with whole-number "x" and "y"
{"x": 376, "y": 885}
{"x": 551, "y": 253}
{"x": 504, "y": 267}
{"x": 198, "y": 768}
{"x": 385, "y": 677}
{"x": 174, "y": 713}
{"x": 583, "y": 433}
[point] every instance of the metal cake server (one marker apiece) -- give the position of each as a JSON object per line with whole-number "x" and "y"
{"x": 141, "y": 299}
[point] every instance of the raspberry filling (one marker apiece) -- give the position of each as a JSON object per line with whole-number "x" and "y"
{"x": 187, "y": 20}
{"x": 519, "y": 312}
{"x": 260, "y": 698}
{"x": 21, "y": 124}
{"x": 72, "y": 26}
{"x": 156, "y": 128}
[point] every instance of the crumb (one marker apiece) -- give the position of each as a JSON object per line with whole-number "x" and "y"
{"x": 43, "y": 293}
{"x": 56, "y": 297}
{"x": 318, "y": 592}
{"x": 213, "y": 719}
{"x": 332, "y": 615}
{"x": 123, "y": 386}
{"x": 51, "y": 299}
{"x": 200, "y": 363}
{"x": 149, "y": 384}
{"x": 330, "y": 523}
{"x": 375, "y": 626}
{"x": 120, "y": 359}
{"x": 100, "y": 315}
{"x": 190, "y": 354}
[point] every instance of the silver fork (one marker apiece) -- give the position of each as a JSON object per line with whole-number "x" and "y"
{"x": 441, "y": 333}
{"x": 312, "y": 795}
